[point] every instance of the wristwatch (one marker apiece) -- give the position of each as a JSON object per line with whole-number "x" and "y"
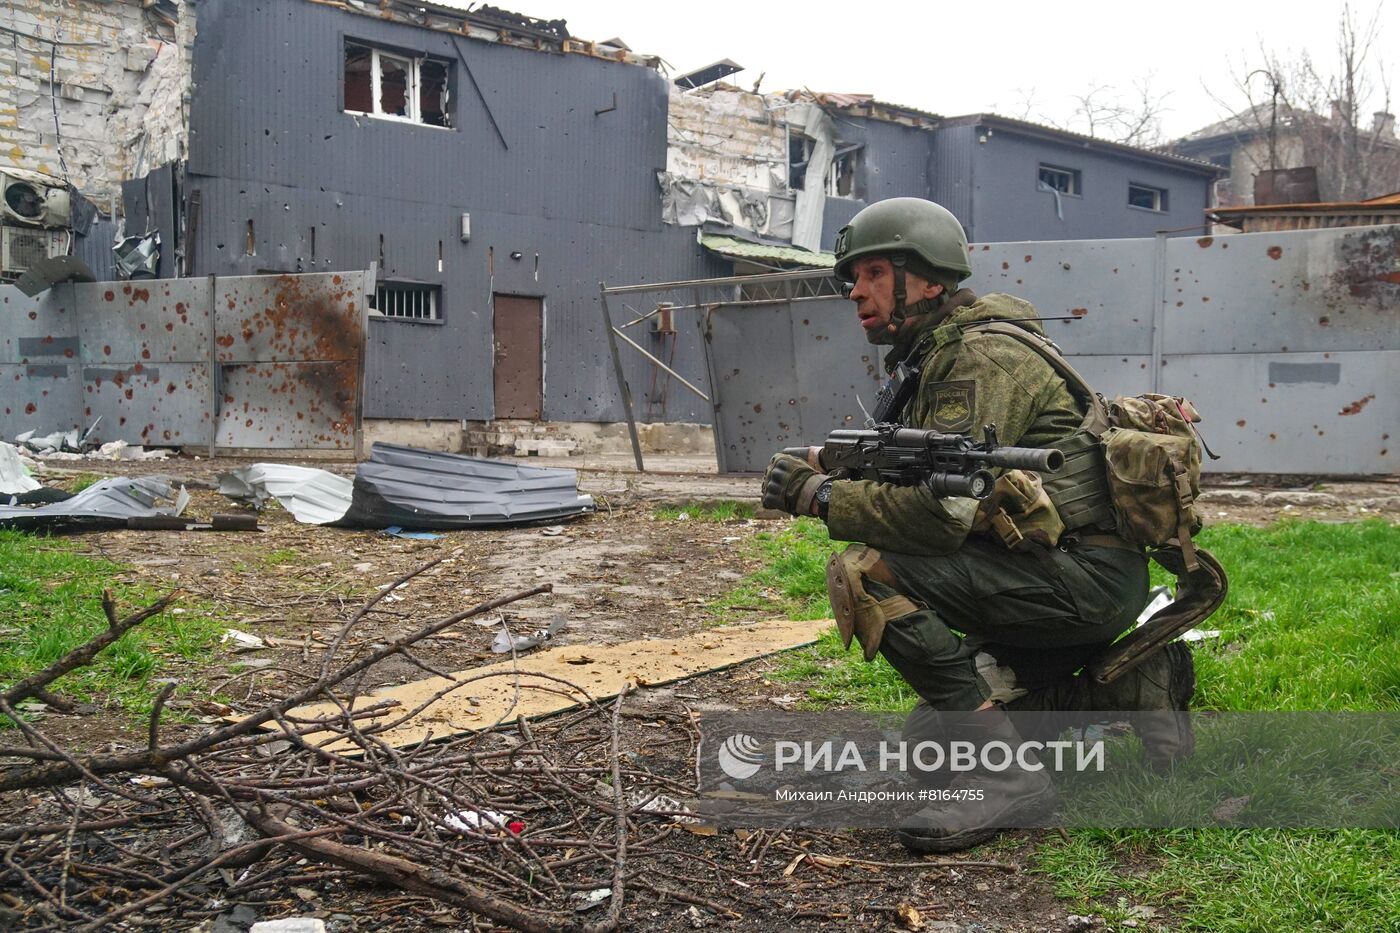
{"x": 823, "y": 499}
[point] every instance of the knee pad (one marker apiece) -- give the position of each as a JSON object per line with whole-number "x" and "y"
{"x": 859, "y": 615}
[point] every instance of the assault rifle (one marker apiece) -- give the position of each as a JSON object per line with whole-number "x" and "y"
{"x": 949, "y": 464}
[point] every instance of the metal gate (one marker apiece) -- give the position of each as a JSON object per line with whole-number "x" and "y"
{"x": 231, "y": 364}
{"x": 1288, "y": 342}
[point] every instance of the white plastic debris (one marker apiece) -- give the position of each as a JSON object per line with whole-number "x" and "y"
{"x": 466, "y": 821}
{"x": 14, "y": 475}
{"x": 242, "y": 641}
{"x": 290, "y": 925}
{"x": 505, "y": 642}
{"x": 592, "y": 898}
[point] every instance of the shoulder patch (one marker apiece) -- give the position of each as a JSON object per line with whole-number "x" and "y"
{"x": 952, "y": 405}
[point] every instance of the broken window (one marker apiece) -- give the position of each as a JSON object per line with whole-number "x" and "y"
{"x": 841, "y": 179}
{"x": 411, "y": 301}
{"x": 1063, "y": 180}
{"x": 393, "y": 85}
{"x": 799, "y": 151}
{"x": 432, "y": 91}
{"x": 359, "y": 88}
{"x": 381, "y": 83}
{"x": 1147, "y": 197}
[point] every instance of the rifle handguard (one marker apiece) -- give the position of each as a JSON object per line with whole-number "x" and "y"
{"x": 975, "y": 485}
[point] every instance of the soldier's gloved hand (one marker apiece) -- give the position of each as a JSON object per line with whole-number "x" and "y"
{"x": 790, "y": 485}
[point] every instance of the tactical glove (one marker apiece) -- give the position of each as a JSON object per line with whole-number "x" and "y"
{"x": 790, "y": 485}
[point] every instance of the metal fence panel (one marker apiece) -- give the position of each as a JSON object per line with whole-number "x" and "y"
{"x": 39, "y": 365}
{"x": 786, "y": 375}
{"x": 290, "y": 357}
{"x": 1288, "y": 342}
{"x": 1302, "y": 291}
{"x": 284, "y": 352}
{"x": 145, "y": 352}
{"x": 1328, "y": 413}
{"x": 1105, "y": 286}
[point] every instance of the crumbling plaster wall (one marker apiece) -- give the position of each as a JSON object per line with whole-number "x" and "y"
{"x": 726, "y": 137}
{"x": 727, "y": 160}
{"x": 122, "y": 74}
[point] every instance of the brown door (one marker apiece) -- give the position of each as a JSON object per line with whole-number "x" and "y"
{"x": 519, "y": 327}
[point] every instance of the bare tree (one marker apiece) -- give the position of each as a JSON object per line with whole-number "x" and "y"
{"x": 1105, "y": 111}
{"x": 1301, "y": 114}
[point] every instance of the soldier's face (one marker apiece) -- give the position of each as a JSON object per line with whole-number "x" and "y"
{"x": 873, "y": 293}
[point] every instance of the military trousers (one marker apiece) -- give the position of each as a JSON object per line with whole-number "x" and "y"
{"x": 1043, "y": 613}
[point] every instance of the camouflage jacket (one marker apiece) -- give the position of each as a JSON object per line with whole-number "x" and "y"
{"x": 966, "y": 382}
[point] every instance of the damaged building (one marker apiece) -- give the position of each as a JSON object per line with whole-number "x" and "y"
{"x": 493, "y": 170}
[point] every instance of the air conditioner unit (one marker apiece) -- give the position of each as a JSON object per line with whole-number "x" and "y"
{"x": 34, "y": 199}
{"x": 22, "y": 247}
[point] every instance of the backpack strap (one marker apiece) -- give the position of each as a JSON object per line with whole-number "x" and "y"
{"x": 1096, "y": 411}
{"x": 1080, "y": 491}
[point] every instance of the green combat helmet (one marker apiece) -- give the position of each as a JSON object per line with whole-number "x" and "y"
{"x": 904, "y": 226}
{"x": 920, "y": 236}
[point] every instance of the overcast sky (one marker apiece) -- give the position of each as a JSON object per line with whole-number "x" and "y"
{"x": 984, "y": 55}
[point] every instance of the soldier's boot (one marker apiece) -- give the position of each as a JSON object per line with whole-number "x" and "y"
{"x": 990, "y": 800}
{"x": 926, "y": 724}
{"x": 1159, "y": 689}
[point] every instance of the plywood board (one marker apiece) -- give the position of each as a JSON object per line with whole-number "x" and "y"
{"x": 595, "y": 671}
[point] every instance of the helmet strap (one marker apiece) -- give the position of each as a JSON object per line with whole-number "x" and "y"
{"x": 898, "y": 262}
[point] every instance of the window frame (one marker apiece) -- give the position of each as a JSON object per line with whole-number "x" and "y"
{"x": 850, "y": 158}
{"x": 1160, "y": 197}
{"x": 414, "y": 79}
{"x": 1075, "y": 176}
{"x": 432, "y": 289}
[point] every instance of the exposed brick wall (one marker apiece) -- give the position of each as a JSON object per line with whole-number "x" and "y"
{"x": 123, "y": 89}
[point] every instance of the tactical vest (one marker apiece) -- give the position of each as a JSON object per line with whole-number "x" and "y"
{"x": 1133, "y": 467}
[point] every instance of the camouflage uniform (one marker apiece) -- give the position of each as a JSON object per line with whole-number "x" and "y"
{"x": 1041, "y": 611}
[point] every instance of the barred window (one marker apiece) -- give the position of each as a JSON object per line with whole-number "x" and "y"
{"x": 410, "y": 301}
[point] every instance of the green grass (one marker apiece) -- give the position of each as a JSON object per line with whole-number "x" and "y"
{"x": 279, "y": 556}
{"x": 82, "y": 481}
{"x": 713, "y": 510}
{"x": 1312, "y": 622}
{"x": 51, "y": 602}
{"x": 792, "y": 582}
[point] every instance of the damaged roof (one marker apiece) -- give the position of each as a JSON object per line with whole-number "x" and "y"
{"x": 1027, "y": 128}
{"x": 1380, "y": 210}
{"x": 865, "y": 105}
{"x": 492, "y": 24}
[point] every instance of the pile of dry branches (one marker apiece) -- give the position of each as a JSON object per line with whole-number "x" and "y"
{"x": 530, "y": 826}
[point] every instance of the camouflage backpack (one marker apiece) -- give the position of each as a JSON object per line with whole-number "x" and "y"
{"x": 1152, "y": 454}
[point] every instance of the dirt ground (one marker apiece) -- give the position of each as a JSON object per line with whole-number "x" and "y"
{"x": 618, "y": 575}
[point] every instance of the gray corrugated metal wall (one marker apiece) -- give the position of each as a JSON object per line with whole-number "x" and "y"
{"x": 951, "y": 177}
{"x": 95, "y": 249}
{"x": 1008, "y": 206}
{"x": 270, "y": 145}
{"x": 148, "y": 205}
{"x": 1289, "y": 343}
{"x": 894, "y": 164}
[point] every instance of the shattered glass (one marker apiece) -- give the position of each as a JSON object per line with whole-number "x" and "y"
{"x": 393, "y": 85}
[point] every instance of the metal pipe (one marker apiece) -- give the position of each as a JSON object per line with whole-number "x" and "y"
{"x": 1159, "y": 307}
{"x": 621, "y": 378}
{"x": 635, "y": 346}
